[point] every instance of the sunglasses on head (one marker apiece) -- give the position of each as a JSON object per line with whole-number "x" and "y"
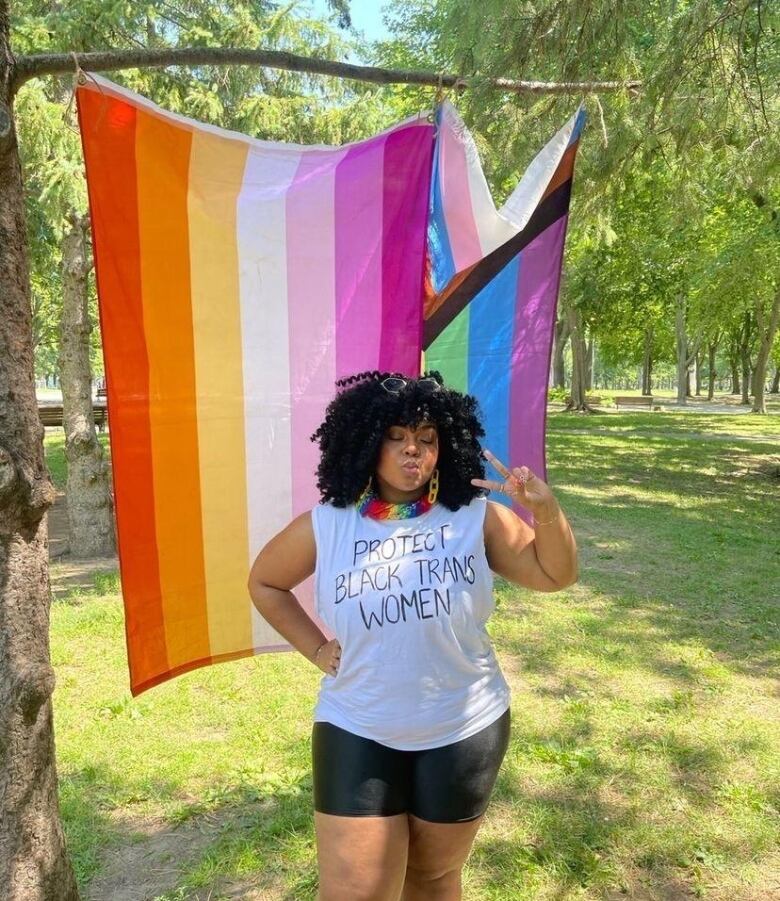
{"x": 394, "y": 385}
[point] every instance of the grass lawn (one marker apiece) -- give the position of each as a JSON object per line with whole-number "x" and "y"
{"x": 645, "y": 755}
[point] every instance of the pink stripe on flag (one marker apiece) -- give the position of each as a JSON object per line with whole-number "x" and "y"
{"x": 456, "y": 202}
{"x": 311, "y": 312}
{"x": 537, "y": 293}
{"x": 407, "y": 177}
{"x": 359, "y": 254}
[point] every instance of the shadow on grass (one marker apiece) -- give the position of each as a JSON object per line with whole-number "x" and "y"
{"x": 595, "y": 827}
{"x": 261, "y": 836}
{"x": 574, "y": 834}
{"x": 684, "y": 535}
{"x": 681, "y": 574}
{"x": 87, "y": 797}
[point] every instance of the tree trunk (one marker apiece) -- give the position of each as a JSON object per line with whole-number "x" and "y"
{"x": 561, "y": 337}
{"x": 88, "y": 493}
{"x": 747, "y": 381}
{"x": 589, "y": 364}
{"x": 33, "y": 862}
{"x": 699, "y": 359}
{"x": 647, "y": 362}
{"x": 734, "y": 366}
{"x": 686, "y": 352}
{"x": 775, "y": 389}
{"x": 578, "y": 376}
{"x": 712, "y": 349}
{"x": 744, "y": 355}
{"x": 767, "y": 328}
{"x": 682, "y": 351}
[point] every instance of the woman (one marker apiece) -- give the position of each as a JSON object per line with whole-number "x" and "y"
{"x": 412, "y": 720}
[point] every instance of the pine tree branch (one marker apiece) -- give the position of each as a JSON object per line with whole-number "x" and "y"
{"x": 36, "y": 65}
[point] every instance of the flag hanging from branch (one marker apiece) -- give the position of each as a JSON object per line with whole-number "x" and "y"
{"x": 492, "y": 286}
{"x": 237, "y": 280}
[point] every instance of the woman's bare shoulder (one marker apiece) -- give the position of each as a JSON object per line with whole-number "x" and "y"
{"x": 289, "y": 556}
{"x": 303, "y": 523}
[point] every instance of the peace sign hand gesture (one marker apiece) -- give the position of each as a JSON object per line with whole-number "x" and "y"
{"x": 520, "y": 485}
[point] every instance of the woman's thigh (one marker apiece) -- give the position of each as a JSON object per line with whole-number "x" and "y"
{"x": 439, "y": 849}
{"x": 361, "y": 858}
{"x": 360, "y": 802}
{"x": 452, "y": 784}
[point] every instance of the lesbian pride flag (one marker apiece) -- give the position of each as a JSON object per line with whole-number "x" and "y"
{"x": 237, "y": 280}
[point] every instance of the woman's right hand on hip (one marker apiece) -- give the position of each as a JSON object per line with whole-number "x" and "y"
{"x": 328, "y": 657}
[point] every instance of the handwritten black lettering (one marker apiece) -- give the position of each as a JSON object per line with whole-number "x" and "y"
{"x": 374, "y": 550}
{"x": 393, "y": 608}
{"x": 361, "y": 546}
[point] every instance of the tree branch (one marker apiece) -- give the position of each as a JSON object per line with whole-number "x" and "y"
{"x": 104, "y": 60}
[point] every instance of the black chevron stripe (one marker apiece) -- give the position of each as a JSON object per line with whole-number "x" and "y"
{"x": 555, "y": 205}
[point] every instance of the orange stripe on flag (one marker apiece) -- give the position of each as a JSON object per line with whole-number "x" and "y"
{"x": 163, "y": 156}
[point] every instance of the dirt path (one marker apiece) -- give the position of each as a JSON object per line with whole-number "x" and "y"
{"x": 772, "y": 440}
{"x": 153, "y": 863}
{"x": 725, "y": 404}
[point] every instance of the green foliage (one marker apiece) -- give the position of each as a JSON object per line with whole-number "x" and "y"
{"x": 556, "y": 394}
{"x": 677, "y": 189}
{"x": 268, "y": 104}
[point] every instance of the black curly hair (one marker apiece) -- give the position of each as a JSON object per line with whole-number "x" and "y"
{"x": 356, "y": 420}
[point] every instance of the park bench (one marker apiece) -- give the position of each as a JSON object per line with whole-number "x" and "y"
{"x": 634, "y": 400}
{"x": 51, "y": 415}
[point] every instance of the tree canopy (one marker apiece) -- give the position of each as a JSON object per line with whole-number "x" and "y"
{"x": 677, "y": 186}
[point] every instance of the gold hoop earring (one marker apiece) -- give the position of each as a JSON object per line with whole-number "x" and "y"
{"x": 433, "y": 487}
{"x": 366, "y": 490}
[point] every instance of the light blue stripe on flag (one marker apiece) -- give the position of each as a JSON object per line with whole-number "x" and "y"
{"x": 439, "y": 248}
{"x": 490, "y": 358}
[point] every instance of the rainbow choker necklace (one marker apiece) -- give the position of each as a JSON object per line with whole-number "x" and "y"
{"x": 371, "y": 505}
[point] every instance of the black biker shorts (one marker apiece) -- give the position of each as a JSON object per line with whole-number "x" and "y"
{"x": 356, "y": 776}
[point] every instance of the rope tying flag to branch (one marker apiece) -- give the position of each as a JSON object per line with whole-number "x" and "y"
{"x": 237, "y": 280}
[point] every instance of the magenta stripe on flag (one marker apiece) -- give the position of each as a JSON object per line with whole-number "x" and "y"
{"x": 358, "y": 216}
{"x": 456, "y": 201}
{"x": 311, "y": 312}
{"x": 537, "y": 292}
{"x": 407, "y": 174}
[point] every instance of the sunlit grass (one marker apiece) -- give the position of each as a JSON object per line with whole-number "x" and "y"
{"x": 645, "y": 754}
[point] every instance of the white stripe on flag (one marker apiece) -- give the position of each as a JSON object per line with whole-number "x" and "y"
{"x": 265, "y": 346}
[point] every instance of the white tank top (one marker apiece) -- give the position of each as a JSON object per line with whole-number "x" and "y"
{"x": 408, "y": 601}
